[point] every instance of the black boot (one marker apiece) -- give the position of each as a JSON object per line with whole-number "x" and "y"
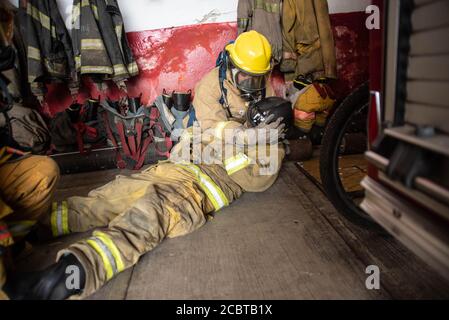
{"x": 49, "y": 284}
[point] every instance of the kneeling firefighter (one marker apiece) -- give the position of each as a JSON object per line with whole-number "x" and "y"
{"x": 173, "y": 198}
{"x": 27, "y": 182}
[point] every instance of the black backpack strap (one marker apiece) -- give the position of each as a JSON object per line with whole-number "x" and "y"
{"x": 222, "y": 62}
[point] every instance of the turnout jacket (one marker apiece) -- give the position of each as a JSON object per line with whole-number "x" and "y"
{"x": 308, "y": 37}
{"x": 263, "y": 16}
{"x": 48, "y": 44}
{"x": 99, "y": 40}
{"x": 263, "y": 170}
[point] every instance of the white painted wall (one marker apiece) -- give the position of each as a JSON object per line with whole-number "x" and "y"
{"x": 156, "y": 14}
{"x": 140, "y": 15}
{"x": 15, "y": 2}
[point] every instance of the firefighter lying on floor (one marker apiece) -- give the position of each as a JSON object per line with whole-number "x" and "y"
{"x": 173, "y": 198}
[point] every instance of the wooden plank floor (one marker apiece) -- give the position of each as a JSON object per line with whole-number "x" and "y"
{"x": 286, "y": 243}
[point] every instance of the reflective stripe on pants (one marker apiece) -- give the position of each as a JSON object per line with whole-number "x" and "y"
{"x": 110, "y": 255}
{"x": 213, "y": 192}
{"x": 60, "y": 219}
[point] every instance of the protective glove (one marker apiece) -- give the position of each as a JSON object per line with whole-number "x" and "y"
{"x": 267, "y": 132}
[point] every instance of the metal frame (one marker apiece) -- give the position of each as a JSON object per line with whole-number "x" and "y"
{"x": 391, "y": 59}
{"x": 424, "y": 234}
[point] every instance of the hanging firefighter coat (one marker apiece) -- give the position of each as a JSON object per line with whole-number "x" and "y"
{"x": 99, "y": 40}
{"x": 49, "y": 48}
{"x": 263, "y": 16}
{"x": 308, "y": 38}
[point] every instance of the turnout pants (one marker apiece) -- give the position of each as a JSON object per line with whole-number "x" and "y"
{"x": 134, "y": 214}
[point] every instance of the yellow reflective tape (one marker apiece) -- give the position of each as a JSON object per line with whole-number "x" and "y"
{"x": 34, "y": 53}
{"x": 39, "y": 16}
{"x": 237, "y": 163}
{"x": 267, "y": 6}
{"x": 94, "y": 69}
{"x": 242, "y": 22}
{"x": 92, "y": 44}
{"x": 112, "y": 248}
{"x": 119, "y": 69}
{"x": 65, "y": 218}
{"x": 133, "y": 68}
{"x": 42, "y": 18}
{"x": 60, "y": 219}
{"x": 303, "y": 83}
{"x": 213, "y": 192}
{"x": 119, "y": 30}
{"x": 106, "y": 263}
{"x": 54, "y": 219}
{"x": 95, "y": 11}
{"x": 76, "y": 12}
{"x": 86, "y": 3}
{"x": 78, "y": 62}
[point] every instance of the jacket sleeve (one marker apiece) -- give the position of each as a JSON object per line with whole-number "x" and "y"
{"x": 34, "y": 50}
{"x": 327, "y": 38}
{"x": 244, "y": 15}
{"x": 75, "y": 36}
{"x": 210, "y": 114}
{"x": 65, "y": 41}
{"x": 288, "y": 22}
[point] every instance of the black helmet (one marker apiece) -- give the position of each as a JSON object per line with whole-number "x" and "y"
{"x": 260, "y": 111}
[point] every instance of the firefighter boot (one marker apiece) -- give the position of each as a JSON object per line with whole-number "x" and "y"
{"x": 60, "y": 281}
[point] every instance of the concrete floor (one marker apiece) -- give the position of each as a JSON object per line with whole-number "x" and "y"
{"x": 286, "y": 243}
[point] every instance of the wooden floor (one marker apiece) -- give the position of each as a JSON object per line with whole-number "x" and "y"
{"x": 286, "y": 243}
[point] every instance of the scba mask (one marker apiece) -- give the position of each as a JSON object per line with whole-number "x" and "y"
{"x": 250, "y": 85}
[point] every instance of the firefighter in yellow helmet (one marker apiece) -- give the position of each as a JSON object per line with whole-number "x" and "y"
{"x": 171, "y": 198}
{"x": 223, "y": 96}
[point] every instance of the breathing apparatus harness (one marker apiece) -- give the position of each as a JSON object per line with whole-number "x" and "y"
{"x": 138, "y": 127}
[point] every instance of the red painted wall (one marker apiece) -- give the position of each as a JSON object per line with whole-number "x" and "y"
{"x": 352, "y": 50}
{"x": 177, "y": 58}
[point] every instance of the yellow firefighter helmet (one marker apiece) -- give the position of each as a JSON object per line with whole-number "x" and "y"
{"x": 251, "y": 53}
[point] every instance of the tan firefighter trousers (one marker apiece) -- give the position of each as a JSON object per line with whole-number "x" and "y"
{"x": 136, "y": 213}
